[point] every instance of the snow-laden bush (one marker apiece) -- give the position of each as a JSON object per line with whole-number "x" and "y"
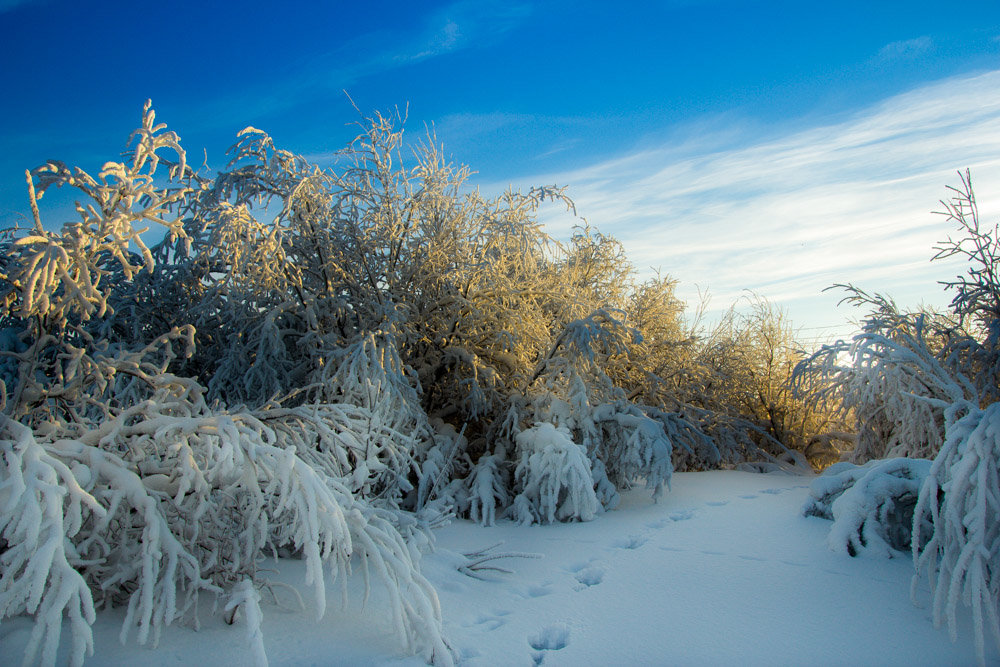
{"x": 925, "y": 384}
{"x": 120, "y": 485}
{"x": 632, "y": 446}
{"x": 190, "y": 504}
{"x": 884, "y": 378}
{"x": 962, "y": 495}
{"x": 39, "y": 575}
{"x": 306, "y": 356}
{"x": 872, "y": 506}
{"x": 904, "y": 369}
{"x": 246, "y": 598}
{"x": 487, "y": 490}
{"x": 553, "y": 474}
{"x": 624, "y": 444}
{"x": 369, "y": 375}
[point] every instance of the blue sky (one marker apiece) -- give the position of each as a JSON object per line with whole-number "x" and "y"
{"x": 774, "y": 146}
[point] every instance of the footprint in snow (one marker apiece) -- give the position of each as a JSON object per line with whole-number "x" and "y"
{"x": 749, "y": 496}
{"x": 590, "y": 576}
{"x": 550, "y": 638}
{"x": 753, "y": 558}
{"x": 658, "y": 524}
{"x": 717, "y": 503}
{"x": 713, "y": 553}
{"x": 630, "y": 542}
{"x": 682, "y": 515}
{"x": 538, "y": 591}
{"x": 491, "y": 622}
{"x": 774, "y": 492}
{"x": 468, "y": 653}
{"x": 573, "y": 568}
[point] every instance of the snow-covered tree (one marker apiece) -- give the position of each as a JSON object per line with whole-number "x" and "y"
{"x": 926, "y": 384}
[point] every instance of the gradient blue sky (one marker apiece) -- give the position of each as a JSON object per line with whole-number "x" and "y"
{"x": 773, "y": 146}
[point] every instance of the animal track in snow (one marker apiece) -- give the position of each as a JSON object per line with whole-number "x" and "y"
{"x": 590, "y": 576}
{"x": 550, "y": 638}
{"x": 491, "y": 622}
{"x": 749, "y": 496}
{"x": 717, "y": 503}
{"x": 631, "y": 542}
{"x": 682, "y": 515}
{"x": 468, "y": 653}
{"x": 539, "y": 590}
{"x": 774, "y": 492}
{"x": 573, "y": 568}
{"x": 658, "y": 524}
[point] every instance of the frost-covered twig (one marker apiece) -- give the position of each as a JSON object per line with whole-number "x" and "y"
{"x": 476, "y": 561}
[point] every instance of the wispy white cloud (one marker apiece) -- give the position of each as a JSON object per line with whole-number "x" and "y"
{"x": 905, "y": 49}
{"x": 464, "y": 24}
{"x": 843, "y": 202}
{"x": 558, "y": 147}
{"x": 464, "y": 127}
{"x": 461, "y": 25}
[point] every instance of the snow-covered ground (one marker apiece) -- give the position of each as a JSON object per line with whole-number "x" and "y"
{"x": 724, "y": 570}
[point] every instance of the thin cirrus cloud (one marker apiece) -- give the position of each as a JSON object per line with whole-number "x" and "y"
{"x": 905, "y": 49}
{"x": 848, "y": 201}
{"x": 456, "y": 27}
{"x": 460, "y": 25}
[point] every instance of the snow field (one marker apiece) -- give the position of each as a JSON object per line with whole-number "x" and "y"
{"x": 724, "y": 570}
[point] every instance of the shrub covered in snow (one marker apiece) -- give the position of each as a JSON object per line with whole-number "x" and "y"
{"x": 897, "y": 378}
{"x": 926, "y": 384}
{"x": 164, "y": 502}
{"x": 962, "y": 495}
{"x": 121, "y": 485}
{"x": 487, "y": 490}
{"x": 893, "y": 379}
{"x": 872, "y": 506}
{"x": 553, "y": 474}
{"x": 321, "y": 361}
